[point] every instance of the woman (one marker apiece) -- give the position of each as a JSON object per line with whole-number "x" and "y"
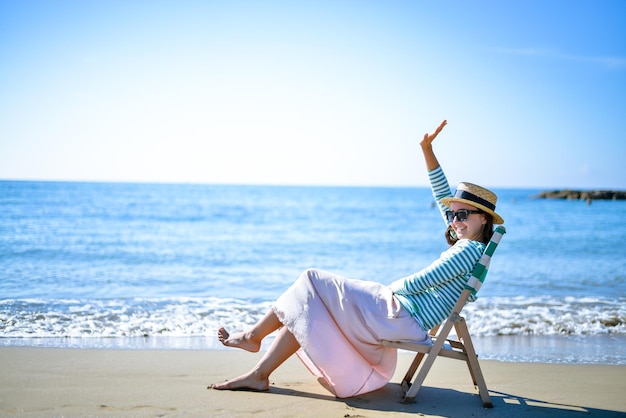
{"x": 336, "y": 325}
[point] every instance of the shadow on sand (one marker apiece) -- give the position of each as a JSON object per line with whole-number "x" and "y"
{"x": 453, "y": 403}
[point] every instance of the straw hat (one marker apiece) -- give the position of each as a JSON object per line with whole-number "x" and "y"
{"x": 474, "y": 195}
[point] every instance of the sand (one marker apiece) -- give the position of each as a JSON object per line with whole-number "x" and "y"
{"x": 171, "y": 383}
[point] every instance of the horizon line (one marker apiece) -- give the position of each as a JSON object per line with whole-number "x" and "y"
{"x": 320, "y": 185}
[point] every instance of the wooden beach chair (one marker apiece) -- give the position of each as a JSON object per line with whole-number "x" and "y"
{"x": 444, "y": 345}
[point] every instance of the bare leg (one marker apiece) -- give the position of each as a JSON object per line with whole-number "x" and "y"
{"x": 258, "y": 378}
{"x": 251, "y": 340}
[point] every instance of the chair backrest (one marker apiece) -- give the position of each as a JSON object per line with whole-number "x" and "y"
{"x": 481, "y": 268}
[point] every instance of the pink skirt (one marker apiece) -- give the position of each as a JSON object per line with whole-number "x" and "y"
{"x": 340, "y": 324}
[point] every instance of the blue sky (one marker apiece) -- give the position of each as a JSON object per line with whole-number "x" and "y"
{"x": 314, "y": 92}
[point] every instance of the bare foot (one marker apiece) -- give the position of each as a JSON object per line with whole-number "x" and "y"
{"x": 250, "y": 381}
{"x": 239, "y": 340}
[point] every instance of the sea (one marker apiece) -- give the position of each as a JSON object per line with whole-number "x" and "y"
{"x": 163, "y": 266}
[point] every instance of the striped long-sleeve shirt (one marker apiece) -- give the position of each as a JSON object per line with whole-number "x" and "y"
{"x": 430, "y": 294}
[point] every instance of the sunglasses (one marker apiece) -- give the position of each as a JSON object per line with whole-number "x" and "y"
{"x": 461, "y": 214}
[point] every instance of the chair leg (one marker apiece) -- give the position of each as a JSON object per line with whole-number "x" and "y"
{"x": 472, "y": 363}
{"x": 409, "y": 374}
{"x": 406, "y": 381}
{"x": 410, "y": 395}
{"x": 430, "y": 359}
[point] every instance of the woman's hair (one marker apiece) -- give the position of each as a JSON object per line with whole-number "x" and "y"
{"x": 485, "y": 233}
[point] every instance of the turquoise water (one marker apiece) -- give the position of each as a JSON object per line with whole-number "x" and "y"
{"x": 163, "y": 266}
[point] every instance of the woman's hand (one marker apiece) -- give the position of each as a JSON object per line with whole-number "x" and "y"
{"x": 427, "y": 147}
{"x": 429, "y": 138}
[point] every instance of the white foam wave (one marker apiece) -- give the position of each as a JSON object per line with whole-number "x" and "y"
{"x": 191, "y": 317}
{"x": 179, "y": 317}
{"x": 543, "y": 315}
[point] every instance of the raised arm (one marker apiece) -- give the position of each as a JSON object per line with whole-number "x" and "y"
{"x": 438, "y": 182}
{"x": 427, "y": 147}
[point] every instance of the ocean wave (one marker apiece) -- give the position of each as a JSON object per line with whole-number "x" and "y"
{"x": 191, "y": 317}
{"x": 178, "y": 317}
{"x": 546, "y": 315}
